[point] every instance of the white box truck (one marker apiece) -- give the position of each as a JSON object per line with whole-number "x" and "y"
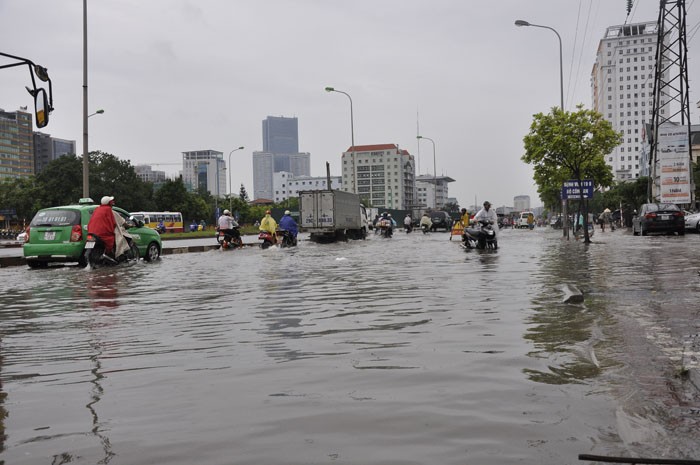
{"x": 330, "y": 215}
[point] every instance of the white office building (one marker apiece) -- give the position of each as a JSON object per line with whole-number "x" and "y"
{"x": 432, "y": 192}
{"x": 622, "y": 84}
{"x": 286, "y": 185}
{"x": 266, "y": 164}
{"x": 521, "y": 203}
{"x": 383, "y": 174}
{"x": 204, "y": 169}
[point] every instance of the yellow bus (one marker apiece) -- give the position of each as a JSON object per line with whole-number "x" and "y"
{"x": 171, "y": 220}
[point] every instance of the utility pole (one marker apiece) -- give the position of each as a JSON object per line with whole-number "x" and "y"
{"x": 671, "y": 101}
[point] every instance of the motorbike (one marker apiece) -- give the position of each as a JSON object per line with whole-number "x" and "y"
{"x": 286, "y": 238}
{"x": 161, "y": 229}
{"x": 481, "y": 237}
{"x": 230, "y": 239}
{"x": 96, "y": 256}
{"x": 385, "y": 228}
{"x": 425, "y": 228}
{"x": 267, "y": 239}
{"x": 408, "y": 228}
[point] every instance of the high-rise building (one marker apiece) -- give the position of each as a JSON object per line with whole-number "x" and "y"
{"x": 280, "y": 135}
{"x": 16, "y": 145}
{"x": 147, "y": 174}
{"x": 48, "y": 149}
{"x": 622, "y": 84}
{"x": 521, "y": 203}
{"x": 280, "y": 153}
{"x": 383, "y": 174}
{"x": 265, "y": 164}
{"x": 204, "y": 169}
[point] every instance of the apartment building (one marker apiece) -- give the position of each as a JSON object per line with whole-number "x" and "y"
{"x": 382, "y": 174}
{"x": 622, "y": 84}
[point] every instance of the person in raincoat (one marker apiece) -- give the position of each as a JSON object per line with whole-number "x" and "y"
{"x": 269, "y": 224}
{"x": 288, "y": 224}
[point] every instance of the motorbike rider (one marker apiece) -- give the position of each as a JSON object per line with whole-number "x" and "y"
{"x": 386, "y": 224}
{"x": 487, "y": 213}
{"x": 108, "y": 225}
{"x": 425, "y": 222}
{"x": 288, "y": 224}
{"x": 227, "y": 224}
{"x": 268, "y": 224}
{"x": 407, "y": 223}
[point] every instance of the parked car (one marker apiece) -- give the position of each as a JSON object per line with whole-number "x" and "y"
{"x": 58, "y": 234}
{"x": 658, "y": 218}
{"x": 441, "y": 220}
{"x": 692, "y": 221}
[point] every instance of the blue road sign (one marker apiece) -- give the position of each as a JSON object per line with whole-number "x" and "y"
{"x": 570, "y": 189}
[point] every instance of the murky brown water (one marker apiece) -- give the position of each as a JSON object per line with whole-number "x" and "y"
{"x": 401, "y": 351}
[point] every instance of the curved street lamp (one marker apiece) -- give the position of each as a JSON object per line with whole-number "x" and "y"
{"x": 434, "y": 169}
{"x": 352, "y": 135}
{"x": 230, "y": 185}
{"x": 98, "y": 112}
{"x": 520, "y": 23}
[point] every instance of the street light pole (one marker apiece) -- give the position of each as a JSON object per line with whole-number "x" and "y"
{"x": 520, "y": 22}
{"x": 434, "y": 169}
{"x": 98, "y": 112}
{"x": 86, "y": 164}
{"x": 230, "y": 185}
{"x": 352, "y": 135}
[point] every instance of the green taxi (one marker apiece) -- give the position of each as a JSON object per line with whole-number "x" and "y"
{"x": 58, "y": 234}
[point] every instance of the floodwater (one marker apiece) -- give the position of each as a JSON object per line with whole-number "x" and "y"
{"x": 407, "y": 350}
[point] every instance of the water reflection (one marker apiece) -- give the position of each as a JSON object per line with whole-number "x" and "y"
{"x": 103, "y": 288}
{"x": 561, "y": 332}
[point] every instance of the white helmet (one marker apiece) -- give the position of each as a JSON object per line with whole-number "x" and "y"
{"x": 106, "y": 199}
{"x": 226, "y": 212}
{"x": 287, "y": 212}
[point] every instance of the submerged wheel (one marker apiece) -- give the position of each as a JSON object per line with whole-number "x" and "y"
{"x": 152, "y": 252}
{"x": 37, "y": 264}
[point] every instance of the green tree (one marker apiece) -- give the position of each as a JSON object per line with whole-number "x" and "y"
{"x": 243, "y": 194}
{"x": 172, "y": 196}
{"x": 21, "y": 195}
{"x": 563, "y": 145}
{"x": 61, "y": 181}
{"x": 113, "y": 176}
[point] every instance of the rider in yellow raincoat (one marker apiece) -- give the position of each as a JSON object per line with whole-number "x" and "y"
{"x": 269, "y": 224}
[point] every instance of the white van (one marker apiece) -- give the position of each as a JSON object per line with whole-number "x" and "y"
{"x": 522, "y": 221}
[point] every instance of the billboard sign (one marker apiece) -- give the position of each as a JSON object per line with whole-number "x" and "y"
{"x": 674, "y": 164}
{"x": 570, "y": 189}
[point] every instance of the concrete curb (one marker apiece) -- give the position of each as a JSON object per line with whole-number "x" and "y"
{"x": 19, "y": 261}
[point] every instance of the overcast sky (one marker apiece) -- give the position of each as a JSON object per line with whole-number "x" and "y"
{"x": 181, "y": 75}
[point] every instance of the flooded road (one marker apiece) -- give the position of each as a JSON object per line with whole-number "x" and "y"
{"x": 407, "y": 350}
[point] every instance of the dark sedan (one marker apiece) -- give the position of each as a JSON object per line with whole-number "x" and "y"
{"x": 658, "y": 218}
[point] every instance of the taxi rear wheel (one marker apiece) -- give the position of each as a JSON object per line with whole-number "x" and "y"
{"x": 37, "y": 264}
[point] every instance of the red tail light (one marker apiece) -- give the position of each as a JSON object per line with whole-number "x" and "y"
{"x": 678, "y": 214}
{"x": 650, "y": 215}
{"x": 76, "y": 234}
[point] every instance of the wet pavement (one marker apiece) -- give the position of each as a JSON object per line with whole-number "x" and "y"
{"x": 407, "y": 350}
